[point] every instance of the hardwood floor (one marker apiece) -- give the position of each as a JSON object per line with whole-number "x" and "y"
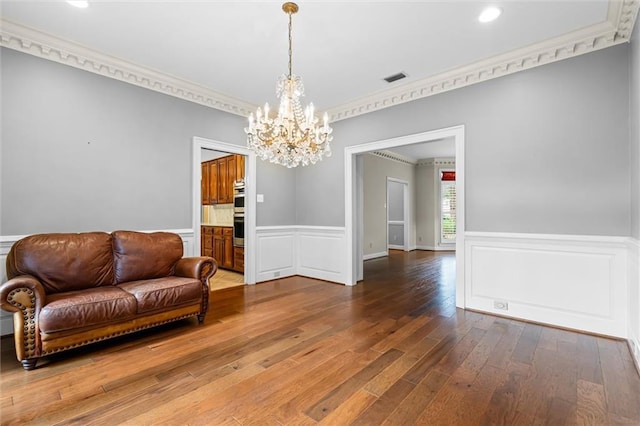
{"x": 225, "y": 279}
{"x": 392, "y": 350}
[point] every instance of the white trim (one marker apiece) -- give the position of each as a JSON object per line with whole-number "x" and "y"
{"x": 634, "y": 301}
{"x": 351, "y": 220}
{"x": 394, "y": 247}
{"x": 406, "y": 219}
{"x": 449, "y": 247}
{"x": 578, "y": 282}
{"x": 617, "y": 29}
{"x": 375, "y": 255}
{"x": 250, "y": 199}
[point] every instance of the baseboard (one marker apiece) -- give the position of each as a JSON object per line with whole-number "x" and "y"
{"x": 395, "y": 247}
{"x": 436, "y": 248}
{"x": 375, "y": 255}
{"x": 577, "y": 282}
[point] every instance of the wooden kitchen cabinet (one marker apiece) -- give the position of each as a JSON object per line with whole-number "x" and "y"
{"x": 213, "y": 182}
{"x": 218, "y": 177}
{"x": 239, "y": 167}
{"x": 206, "y": 245}
{"x": 223, "y": 181}
{"x": 217, "y": 242}
{"x": 227, "y": 250}
{"x": 204, "y": 183}
{"x": 238, "y": 259}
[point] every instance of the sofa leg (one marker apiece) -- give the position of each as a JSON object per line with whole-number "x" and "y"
{"x": 200, "y": 318}
{"x": 29, "y": 364}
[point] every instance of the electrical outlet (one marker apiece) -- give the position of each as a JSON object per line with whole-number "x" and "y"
{"x": 503, "y": 306}
{"x": 420, "y": 239}
{"x": 370, "y": 245}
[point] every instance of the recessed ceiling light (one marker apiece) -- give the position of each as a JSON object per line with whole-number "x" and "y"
{"x": 81, "y": 4}
{"x": 490, "y": 14}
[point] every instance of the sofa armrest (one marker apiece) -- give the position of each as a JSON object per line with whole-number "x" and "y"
{"x": 201, "y": 268}
{"x": 24, "y": 296}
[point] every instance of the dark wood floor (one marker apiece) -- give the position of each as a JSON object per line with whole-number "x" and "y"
{"x": 392, "y": 350}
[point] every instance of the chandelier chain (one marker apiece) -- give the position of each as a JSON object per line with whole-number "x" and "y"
{"x": 290, "y": 47}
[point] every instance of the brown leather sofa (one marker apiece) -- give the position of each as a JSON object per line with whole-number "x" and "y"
{"x": 69, "y": 290}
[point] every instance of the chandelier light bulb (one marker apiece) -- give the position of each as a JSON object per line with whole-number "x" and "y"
{"x": 293, "y": 137}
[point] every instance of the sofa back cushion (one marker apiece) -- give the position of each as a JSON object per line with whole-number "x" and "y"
{"x": 143, "y": 256}
{"x": 64, "y": 262}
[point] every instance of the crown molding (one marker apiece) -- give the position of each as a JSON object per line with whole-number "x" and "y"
{"x": 618, "y": 27}
{"x": 388, "y": 155}
{"x": 615, "y": 30}
{"x": 28, "y": 40}
{"x": 437, "y": 162}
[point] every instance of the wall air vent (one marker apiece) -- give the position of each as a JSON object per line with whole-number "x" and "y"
{"x": 395, "y": 77}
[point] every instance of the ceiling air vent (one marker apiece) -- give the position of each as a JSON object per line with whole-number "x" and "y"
{"x": 395, "y": 77}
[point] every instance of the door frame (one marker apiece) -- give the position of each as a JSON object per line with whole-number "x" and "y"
{"x": 250, "y": 219}
{"x": 405, "y": 213}
{"x": 353, "y": 212}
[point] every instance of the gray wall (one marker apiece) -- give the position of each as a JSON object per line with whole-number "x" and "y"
{"x": 84, "y": 152}
{"x": 546, "y": 149}
{"x": 426, "y": 206}
{"x": 376, "y": 171}
{"x": 634, "y": 120}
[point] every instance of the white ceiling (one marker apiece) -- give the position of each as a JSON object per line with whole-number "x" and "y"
{"x": 342, "y": 49}
{"x": 229, "y": 54}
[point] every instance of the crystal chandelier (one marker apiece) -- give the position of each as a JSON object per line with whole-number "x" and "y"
{"x": 294, "y": 135}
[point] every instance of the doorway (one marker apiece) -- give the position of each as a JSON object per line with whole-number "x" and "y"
{"x": 200, "y": 144}
{"x": 397, "y": 214}
{"x": 353, "y": 207}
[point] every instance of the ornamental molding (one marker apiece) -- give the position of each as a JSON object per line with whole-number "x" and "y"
{"x": 617, "y": 29}
{"x": 28, "y": 40}
{"x": 394, "y": 156}
{"x": 437, "y": 162}
{"x": 388, "y": 155}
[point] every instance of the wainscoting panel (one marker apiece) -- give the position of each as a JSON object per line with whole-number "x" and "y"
{"x": 275, "y": 252}
{"x": 320, "y": 253}
{"x": 6, "y": 318}
{"x": 575, "y": 282}
{"x": 310, "y": 251}
{"x": 634, "y": 301}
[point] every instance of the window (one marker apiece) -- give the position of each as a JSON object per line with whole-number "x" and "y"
{"x": 447, "y": 206}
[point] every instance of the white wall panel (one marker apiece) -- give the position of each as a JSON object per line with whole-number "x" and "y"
{"x": 321, "y": 253}
{"x": 634, "y": 300}
{"x": 275, "y": 252}
{"x": 310, "y": 251}
{"x": 574, "y": 282}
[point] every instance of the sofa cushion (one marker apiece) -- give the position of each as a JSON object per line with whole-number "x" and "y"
{"x": 162, "y": 293}
{"x": 64, "y": 262}
{"x": 84, "y": 308}
{"x": 142, "y": 256}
